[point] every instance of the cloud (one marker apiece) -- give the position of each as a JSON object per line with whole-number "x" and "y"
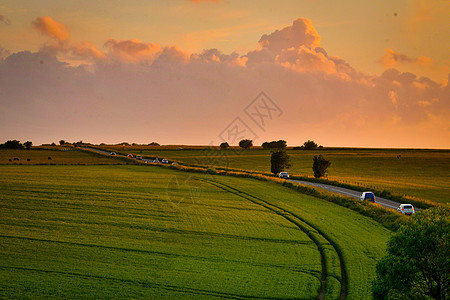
{"x": 132, "y": 50}
{"x": 392, "y": 59}
{"x": 52, "y": 28}
{"x": 198, "y": 1}
{"x": 3, "y": 53}
{"x": 301, "y": 33}
{"x": 4, "y": 19}
{"x": 155, "y": 92}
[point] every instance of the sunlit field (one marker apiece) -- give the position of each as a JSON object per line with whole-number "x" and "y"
{"x": 128, "y": 231}
{"x": 60, "y": 155}
{"x": 422, "y": 174}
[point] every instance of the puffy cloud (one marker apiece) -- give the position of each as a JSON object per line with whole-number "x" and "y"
{"x": 3, "y": 53}
{"x": 46, "y": 25}
{"x": 301, "y": 33}
{"x": 87, "y": 50}
{"x": 178, "y": 97}
{"x": 305, "y": 59}
{"x": 392, "y": 59}
{"x": 133, "y": 50}
{"x": 4, "y": 19}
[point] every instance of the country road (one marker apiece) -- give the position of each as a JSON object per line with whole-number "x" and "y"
{"x": 347, "y": 192}
{"x": 342, "y": 191}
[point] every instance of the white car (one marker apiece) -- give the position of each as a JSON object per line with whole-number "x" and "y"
{"x": 165, "y": 161}
{"x": 367, "y": 196}
{"x": 406, "y": 209}
{"x": 283, "y": 175}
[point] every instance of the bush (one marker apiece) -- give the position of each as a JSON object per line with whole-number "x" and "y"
{"x": 154, "y": 144}
{"x": 28, "y": 145}
{"x": 310, "y": 145}
{"x": 12, "y": 144}
{"x": 417, "y": 264}
{"x": 320, "y": 166}
{"x": 281, "y": 144}
{"x": 246, "y": 144}
{"x": 224, "y": 145}
{"x": 279, "y": 161}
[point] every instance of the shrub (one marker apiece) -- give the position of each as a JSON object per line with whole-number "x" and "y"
{"x": 310, "y": 145}
{"x": 281, "y": 144}
{"x": 224, "y": 145}
{"x": 28, "y": 145}
{"x": 320, "y": 166}
{"x": 279, "y": 161}
{"x": 246, "y": 144}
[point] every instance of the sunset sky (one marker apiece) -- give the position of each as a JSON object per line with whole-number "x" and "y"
{"x": 343, "y": 73}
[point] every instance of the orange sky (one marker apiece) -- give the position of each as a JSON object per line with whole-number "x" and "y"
{"x": 187, "y": 72}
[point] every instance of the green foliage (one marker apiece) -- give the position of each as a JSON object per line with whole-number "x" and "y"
{"x": 62, "y": 142}
{"x": 309, "y": 145}
{"x": 224, "y": 145}
{"x": 279, "y": 161}
{"x": 28, "y": 145}
{"x": 11, "y": 144}
{"x": 281, "y": 144}
{"x": 417, "y": 264}
{"x": 320, "y": 166}
{"x": 246, "y": 144}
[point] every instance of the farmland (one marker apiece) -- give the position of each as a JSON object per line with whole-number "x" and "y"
{"x": 420, "y": 174}
{"x": 55, "y": 156}
{"x": 115, "y": 231}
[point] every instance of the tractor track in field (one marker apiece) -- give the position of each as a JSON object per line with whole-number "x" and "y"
{"x": 298, "y": 222}
{"x": 185, "y": 290}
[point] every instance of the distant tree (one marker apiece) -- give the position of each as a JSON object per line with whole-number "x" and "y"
{"x": 320, "y": 166}
{"x": 281, "y": 144}
{"x": 28, "y": 145}
{"x": 246, "y": 144}
{"x": 224, "y": 145}
{"x": 297, "y": 148}
{"x": 279, "y": 161}
{"x": 62, "y": 142}
{"x": 310, "y": 145}
{"x": 12, "y": 144}
{"x": 53, "y": 144}
{"x": 154, "y": 144}
{"x": 417, "y": 264}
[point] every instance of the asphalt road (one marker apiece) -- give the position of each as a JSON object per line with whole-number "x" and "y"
{"x": 351, "y": 193}
{"x": 342, "y": 191}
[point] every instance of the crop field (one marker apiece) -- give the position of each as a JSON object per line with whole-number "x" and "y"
{"x": 130, "y": 231}
{"x": 420, "y": 174}
{"x": 57, "y": 156}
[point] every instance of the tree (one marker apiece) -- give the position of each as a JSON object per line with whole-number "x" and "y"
{"x": 281, "y": 144}
{"x": 417, "y": 264}
{"x": 320, "y": 166}
{"x": 62, "y": 142}
{"x": 12, "y": 144}
{"x": 309, "y": 145}
{"x": 154, "y": 144}
{"x": 246, "y": 144}
{"x": 224, "y": 145}
{"x": 28, "y": 145}
{"x": 279, "y": 161}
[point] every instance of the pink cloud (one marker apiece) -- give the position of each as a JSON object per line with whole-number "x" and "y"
{"x": 52, "y": 28}
{"x": 163, "y": 93}
{"x": 301, "y": 33}
{"x": 392, "y": 59}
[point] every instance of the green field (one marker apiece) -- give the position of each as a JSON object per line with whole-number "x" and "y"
{"x": 58, "y": 157}
{"x": 129, "y": 231}
{"x": 420, "y": 174}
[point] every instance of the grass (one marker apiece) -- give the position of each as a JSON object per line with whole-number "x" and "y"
{"x": 414, "y": 174}
{"x": 57, "y": 155}
{"x": 115, "y": 231}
